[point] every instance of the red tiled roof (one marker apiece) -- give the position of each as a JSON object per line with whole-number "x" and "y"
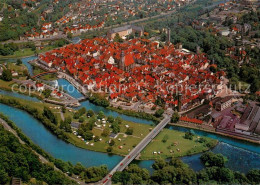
{"x": 129, "y": 59}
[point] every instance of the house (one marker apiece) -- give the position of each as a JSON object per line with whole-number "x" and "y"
{"x": 224, "y": 103}
{"x": 125, "y": 31}
{"x": 47, "y": 25}
{"x": 40, "y": 87}
{"x": 56, "y": 94}
{"x": 45, "y": 63}
{"x": 224, "y": 31}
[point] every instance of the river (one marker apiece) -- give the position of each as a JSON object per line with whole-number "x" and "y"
{"x": 242, "y": 156}
{"x": 88, "y": 105}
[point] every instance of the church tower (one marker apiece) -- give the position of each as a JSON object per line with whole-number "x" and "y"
{"x": 121, "y": 64}
{"x": 168, "y": 36}
{"x": 179, "y": 102}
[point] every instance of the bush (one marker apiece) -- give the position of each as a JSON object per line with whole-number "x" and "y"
{"x": 109, "y": 149}
{"x": 189, "y": 135}
{"x": 105, "y": 132}
{"x": 165, "y": 138}
{"x": 210, "y": 159}
{"x": 99, "y": 100}
{"x": 81, "y": 119}
{"x": 96, "y": 139}
{"x": 129, "y": 131}
{"x": 112, "y": 142}
{"x": 7, "y": 75}
{"x": 159, "y": 113}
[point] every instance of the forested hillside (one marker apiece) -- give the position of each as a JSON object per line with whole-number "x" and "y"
{"x": 17, "y": 160}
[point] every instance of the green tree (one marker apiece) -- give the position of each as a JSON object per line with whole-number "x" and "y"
{"x": 254, "y": 176}
{"x": 117, "y": 38}
{"x": 175, "y": 117}
{"x": 48, "y": 113}
{"x": 63, "y": 109}
{"x": 189, "y": 135}
{"x": 225, "y": 175}
{"x": 105, "y": 132}
{"x": 115, "y": 127}
{"x": 46, "y": 93}
{"x": 78, "y": 168}
{"x": 19, "y": 62}
{"x": 112, "y": 143}
{"x": 3, "y": 177}
{"x": 110, "y": 119}
{"x": 129, "y": 131}
{"x": 81, "y": 119}
{"x": 109, "y": 149}
{"x": 119, "y": 120}
{"x": 101, "y": 115}
{"x": 159, "y": 164}
{"x": 88, "y": 135}
{"x": 96, "y": 139}
{"x": 210, "y": 159}
{"x": 165, "y": 138}
{"x": 69, "y": 35}
{"x": 90, "y": 113}
{"x": 159, "y": 113}
{"x": 7, "y": 75}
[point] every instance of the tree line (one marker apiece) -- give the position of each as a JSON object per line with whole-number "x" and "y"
{"x": 174, "y": 171}
{"x": 92, "y": 174}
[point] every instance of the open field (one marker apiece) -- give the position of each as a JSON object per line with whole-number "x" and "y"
{"x": 175, "y": 146}
{"x": 48, "y": 77}
{"x": 124, "y": 143}
{"x": 26, "y": 52}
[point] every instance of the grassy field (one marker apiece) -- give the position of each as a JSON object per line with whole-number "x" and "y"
{"x": 18, "y": 68}
{"x": 125, "y": 143}
{"x": 49, "y": 77}
{"x": 38, "y": 105}
{"x": 8, "y": 86}
{"x": 176, "y": 145}
{"x": 26, "y": 52}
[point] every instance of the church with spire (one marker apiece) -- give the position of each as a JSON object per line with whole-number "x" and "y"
{"x": 126, "y": 62}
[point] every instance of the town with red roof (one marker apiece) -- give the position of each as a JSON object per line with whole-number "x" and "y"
{"x": 137, "y": 70}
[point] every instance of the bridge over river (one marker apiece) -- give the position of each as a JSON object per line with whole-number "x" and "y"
{"x": 137, "y": 150}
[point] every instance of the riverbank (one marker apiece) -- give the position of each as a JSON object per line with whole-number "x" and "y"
{"x": 25, "y": 52}
{"x": 123, "y": 143}
{"x": 7, "y": 86}
{"x": 67, "y": 152}
{"x": 213, "y": 132}
{"x": 133, "y": 113}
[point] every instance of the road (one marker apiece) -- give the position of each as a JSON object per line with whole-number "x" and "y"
{"x": 137, "y": 150}
{"x": 64, "y": 36}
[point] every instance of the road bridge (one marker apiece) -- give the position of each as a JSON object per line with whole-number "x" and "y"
{"x": 137, "y": 150}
